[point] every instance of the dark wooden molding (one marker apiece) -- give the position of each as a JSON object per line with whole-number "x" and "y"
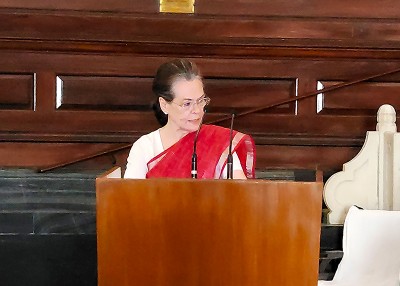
{"x": 272, "y": 8}
{"x": 211, "y": 50}
{"x": 153, "y": 33}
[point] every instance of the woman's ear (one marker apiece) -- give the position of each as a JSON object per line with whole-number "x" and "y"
{"x": 163, "y": 105}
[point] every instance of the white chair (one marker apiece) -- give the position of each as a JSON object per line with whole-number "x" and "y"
{"x": 371, "y": 249}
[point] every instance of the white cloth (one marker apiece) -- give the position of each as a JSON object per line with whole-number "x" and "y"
{"x": 371, "y": 249}
{"x": 143, "y": 150}
{"x": 150, "y": 145}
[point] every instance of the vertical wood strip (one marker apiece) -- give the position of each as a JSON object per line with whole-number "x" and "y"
{"x": 45, "y": 93}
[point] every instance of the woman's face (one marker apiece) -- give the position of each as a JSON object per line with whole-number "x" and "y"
{"x": 184, "y": 112}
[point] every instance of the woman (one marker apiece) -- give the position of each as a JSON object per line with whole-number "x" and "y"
{"x": 167, "y": 152}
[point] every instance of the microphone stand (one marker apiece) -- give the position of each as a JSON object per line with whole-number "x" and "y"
{"x": 194, "y": 155}
{"x": 229, "y": 163}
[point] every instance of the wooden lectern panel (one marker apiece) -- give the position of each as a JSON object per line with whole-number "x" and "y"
{"x": 208, "y": 232}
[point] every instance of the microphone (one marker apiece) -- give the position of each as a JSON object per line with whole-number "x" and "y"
{"x": 229, "y": 163}
{"x": 194, "y": 155}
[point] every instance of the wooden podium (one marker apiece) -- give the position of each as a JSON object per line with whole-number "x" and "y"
{"x": 172, "y": 232}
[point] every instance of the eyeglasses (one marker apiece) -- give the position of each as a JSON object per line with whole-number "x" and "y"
{"x": 189, "y": 104}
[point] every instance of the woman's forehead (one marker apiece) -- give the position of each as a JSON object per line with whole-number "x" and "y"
{"x": 187, "y": 89}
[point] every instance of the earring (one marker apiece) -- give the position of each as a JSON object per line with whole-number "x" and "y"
{"x": 166, "y": 113}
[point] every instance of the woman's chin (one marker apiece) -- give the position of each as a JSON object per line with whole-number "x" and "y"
{"x": 193, "y": 125}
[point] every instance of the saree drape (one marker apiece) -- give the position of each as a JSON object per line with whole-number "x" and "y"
{"x": 212, "y": 149}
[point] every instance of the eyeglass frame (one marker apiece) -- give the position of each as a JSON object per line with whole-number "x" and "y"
{"x": 192, "y": 103}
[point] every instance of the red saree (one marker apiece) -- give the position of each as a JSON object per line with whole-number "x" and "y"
{"x": 212, "y": 149}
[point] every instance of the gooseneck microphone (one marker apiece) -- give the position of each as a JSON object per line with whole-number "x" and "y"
{"x": 194, "y": 155}
{"x": 229, "y": 163}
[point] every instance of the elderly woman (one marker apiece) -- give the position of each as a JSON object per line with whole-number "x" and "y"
{"x": 167, "y": 151}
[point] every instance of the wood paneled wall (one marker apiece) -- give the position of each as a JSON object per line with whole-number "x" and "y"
{"x": 75, "y": 77}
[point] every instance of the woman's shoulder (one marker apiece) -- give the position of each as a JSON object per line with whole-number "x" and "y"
{"x": 219, "y": 130}
{"x": 146, "y": 145}
{"x": 149, "y": 137}
{"x": 209, "y": 128}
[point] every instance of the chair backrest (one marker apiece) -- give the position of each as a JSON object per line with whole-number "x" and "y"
{"x": 371, "y": 248}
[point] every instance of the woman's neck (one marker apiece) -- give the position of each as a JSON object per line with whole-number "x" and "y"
{"x": 170, "y": 135}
